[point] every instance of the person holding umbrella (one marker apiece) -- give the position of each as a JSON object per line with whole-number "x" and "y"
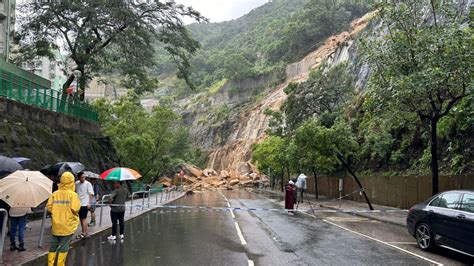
{"x": 117, "y": 210}
{"x": 64, "y": 205}
{"x": 118, "y": 196}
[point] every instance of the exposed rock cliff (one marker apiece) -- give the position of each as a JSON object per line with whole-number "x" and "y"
{"x": 250, "y": 125}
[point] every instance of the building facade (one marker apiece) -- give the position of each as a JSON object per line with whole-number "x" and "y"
{"x": 7, "y": 21}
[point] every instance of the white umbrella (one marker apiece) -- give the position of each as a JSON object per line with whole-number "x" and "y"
{"x": 25, "y": 189}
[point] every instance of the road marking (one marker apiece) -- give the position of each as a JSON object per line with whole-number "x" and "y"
{"x": 251, "y": 263}
{"x": 239, "y": 233}
{"x": 232, "y": 213}
{"x": 349, "y": 219}
{"x": 385, "y": 243}
{"x": 402, "y": 243}
{"x": 228, "y": 204}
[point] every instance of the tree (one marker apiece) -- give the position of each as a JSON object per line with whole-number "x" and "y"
{"x": 102, "y": 35}
{"x": 318, "y": 146}
{"x": 270, "y": 153}
{"x": 324, "y": 93}
{"x": 144, "y": 141}
{"x": 421, "y": 66}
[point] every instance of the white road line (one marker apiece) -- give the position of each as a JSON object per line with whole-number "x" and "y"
{"x": 402, "y": 243}
{"x": 239, "y": 233}
{"x": 385, "y": 243}
{"x": 232, "y": 213}
{"x": 251, "y": 263}
{"x": 228, "y": 204}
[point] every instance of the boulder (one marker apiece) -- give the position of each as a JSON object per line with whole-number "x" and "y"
{"x": 234, "y": 175}
{"x": 209, "y": 172}
{"x": 224, "y": 174}
{"x": 164, "y": 179}
{"x": 243, "y": 168}
{"x": 246, "y": 183}
{"x": 191, "y": 170}
{"x": 234, "y": 182}
{"x": 254, "y": 176}
{"x": 253, "y": 168}
{"x": 244, "y": 178}
{"x": 166, "y": 184}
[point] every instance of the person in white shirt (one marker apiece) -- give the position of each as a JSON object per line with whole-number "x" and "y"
{"x": 302, "y": 186}
{"x": 85, "y": 192}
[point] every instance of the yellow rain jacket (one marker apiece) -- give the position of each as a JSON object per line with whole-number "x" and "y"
{"x": 64, "y": 205}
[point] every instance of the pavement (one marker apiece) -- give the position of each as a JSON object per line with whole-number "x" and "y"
{"x": 32, "y": 233}
{"x": 251, "y": 228}
{"x": 388, "y": 214}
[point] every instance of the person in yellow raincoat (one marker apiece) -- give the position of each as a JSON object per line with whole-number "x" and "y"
{"x": 64, "y": 205}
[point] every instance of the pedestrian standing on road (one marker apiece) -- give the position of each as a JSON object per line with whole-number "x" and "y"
{"x": 18, "y": 224}
{"x": 95, "y": 198}
{"x": 64, "y": 205}
{"x": 86, "y": 193}
{"x": 117, "y": 209}
{"x": 290, "y": 198}
{"x": 302, "y": 186}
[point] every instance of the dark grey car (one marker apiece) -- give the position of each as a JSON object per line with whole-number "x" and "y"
{"x": 446, "y": 220}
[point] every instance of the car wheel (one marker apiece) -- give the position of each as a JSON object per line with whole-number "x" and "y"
{"x": 424, "y": 237}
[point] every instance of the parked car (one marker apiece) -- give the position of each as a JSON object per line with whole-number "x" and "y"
{"x": 446, "y": 220}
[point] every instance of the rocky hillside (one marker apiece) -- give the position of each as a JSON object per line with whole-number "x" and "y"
{"x": 250, "y": 125}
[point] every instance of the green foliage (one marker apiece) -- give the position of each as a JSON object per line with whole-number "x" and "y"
{"x": 318, "y": 145}
{"x": 267, "y": 38}
{"x": 421, "y": 68}
{"x": 270, "y": 153}
{"x": 152, "y": 143}
{"x": 115, "y": 36}
{"x": 216, "y": 86}
{"x": 324, "y": 94}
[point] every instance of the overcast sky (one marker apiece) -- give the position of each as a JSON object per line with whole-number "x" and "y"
{"x": 221, "y": 10}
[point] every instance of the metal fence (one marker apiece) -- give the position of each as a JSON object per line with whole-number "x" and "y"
{"x": 21, "y": 89}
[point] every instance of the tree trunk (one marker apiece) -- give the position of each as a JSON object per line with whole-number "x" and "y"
{"x": 282, "y": 177}
{"x": 434, "y": 156}
{"x": 68, "y": 82}
{"x": 315, "y": 183}
{"x": 82, "y": 85}
{"x": 288, "y": 172}
{"x": 62, "y": 103}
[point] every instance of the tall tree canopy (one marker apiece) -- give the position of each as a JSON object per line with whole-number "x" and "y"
{"x": 152, "y": 143}
{"x": 423, "y": 65}
{"x": 101, "y": 35}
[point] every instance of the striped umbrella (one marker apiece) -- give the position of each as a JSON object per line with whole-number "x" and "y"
{"x": 120, "y": 174}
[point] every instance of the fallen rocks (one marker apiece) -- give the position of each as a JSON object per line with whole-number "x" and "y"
{"x": 195, "y": 179}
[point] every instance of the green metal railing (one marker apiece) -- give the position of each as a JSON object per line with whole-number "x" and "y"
{"x": 23, "y": 88}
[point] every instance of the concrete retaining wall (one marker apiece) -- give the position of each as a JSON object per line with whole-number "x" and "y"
{"x": 23, "y": 113}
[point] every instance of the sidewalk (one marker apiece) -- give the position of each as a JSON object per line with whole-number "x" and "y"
{"x": 32, "y": 231}
{"x": 398, "y": 217}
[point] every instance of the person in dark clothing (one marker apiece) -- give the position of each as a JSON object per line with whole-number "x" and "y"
{"x": 117, "y": 209}
{"x": 290, "y": 197}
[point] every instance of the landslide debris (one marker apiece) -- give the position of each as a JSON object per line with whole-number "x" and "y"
{"x": 196, "y": 179}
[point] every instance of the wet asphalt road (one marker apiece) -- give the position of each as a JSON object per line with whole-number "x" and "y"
{"x": 208, "y": 237}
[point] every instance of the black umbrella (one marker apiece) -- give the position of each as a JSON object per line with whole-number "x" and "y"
{"x": 59, "y": 168}
{"x": 8, "y": 165}
{"x": 22, "y": 160}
